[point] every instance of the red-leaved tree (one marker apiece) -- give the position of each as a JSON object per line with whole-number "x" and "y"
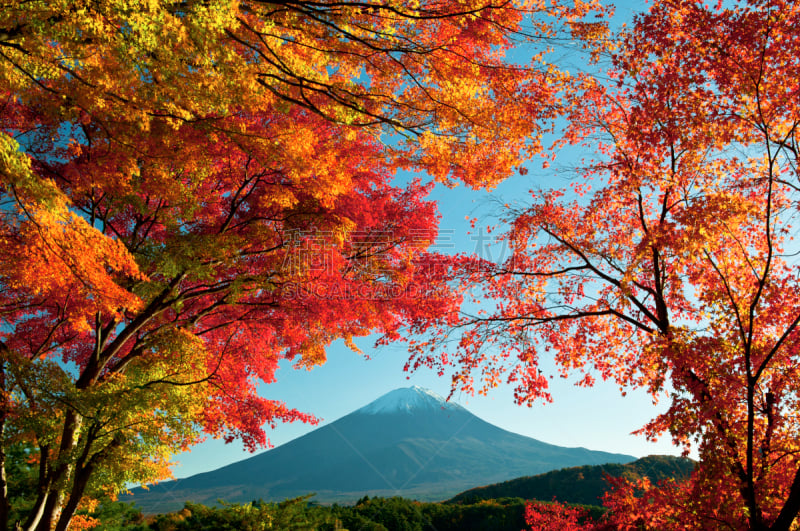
{"x": 192, "y": 191}
{"x": 555, "y": 516}
{"x": 669, "y": 264}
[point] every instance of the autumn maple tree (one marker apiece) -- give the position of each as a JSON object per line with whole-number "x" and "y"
{"x": 555, "y": 516}
{"x": 194, "y": 191}
{"x": 669, "y": 264}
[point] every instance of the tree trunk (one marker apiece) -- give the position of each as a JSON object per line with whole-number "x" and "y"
{"x": 49, "y": 510}
{"x": 43, "y": 488}
{"x": 791, "y": 507}
{"x": 56, "y": 475}
{"x": 36, "y": 515}
{"x": 84, "y": 469}
{"x": 5, "y": 506}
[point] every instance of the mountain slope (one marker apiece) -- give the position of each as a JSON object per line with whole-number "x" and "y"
{"x": 409, "y": 442}
{"x": 583, "y": 484}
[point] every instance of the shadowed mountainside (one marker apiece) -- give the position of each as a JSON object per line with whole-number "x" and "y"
{"x": 582, "y": 484}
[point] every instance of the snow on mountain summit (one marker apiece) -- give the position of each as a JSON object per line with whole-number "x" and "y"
{"x": 408, "y": 400}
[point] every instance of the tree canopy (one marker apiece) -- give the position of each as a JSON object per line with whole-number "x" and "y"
{"x": 669, "y": 263}
{"x": 193, "y": 191}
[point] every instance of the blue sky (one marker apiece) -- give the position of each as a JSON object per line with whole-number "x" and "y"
{"x": 598, "y": 418}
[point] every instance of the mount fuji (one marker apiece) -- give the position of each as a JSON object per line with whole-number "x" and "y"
{"x": 409, "y": 442}
{"x": 408, "y": 400}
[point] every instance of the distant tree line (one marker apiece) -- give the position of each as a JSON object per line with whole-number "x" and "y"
{"x": 584, "y": 485}
{"x": 368, "y": 514}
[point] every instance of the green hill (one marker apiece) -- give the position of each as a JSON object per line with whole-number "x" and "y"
{"x": 580, "y": 484}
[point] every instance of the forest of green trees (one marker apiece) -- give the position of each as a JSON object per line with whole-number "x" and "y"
{"x": 368, "y": 514}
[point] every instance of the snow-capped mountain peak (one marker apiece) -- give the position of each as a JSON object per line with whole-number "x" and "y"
{"x": 408, "y": 400}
